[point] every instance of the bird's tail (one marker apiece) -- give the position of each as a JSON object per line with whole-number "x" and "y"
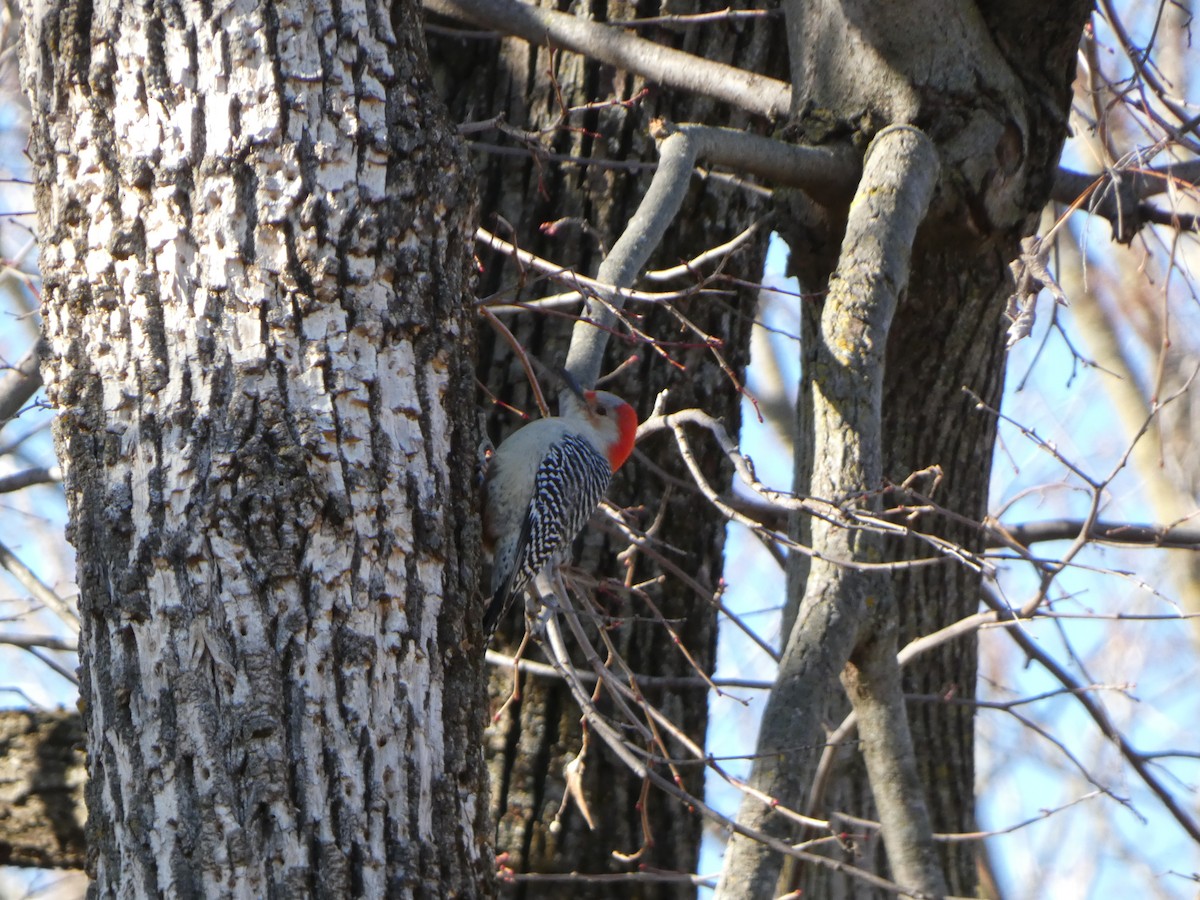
{"x": 498, "y": 608}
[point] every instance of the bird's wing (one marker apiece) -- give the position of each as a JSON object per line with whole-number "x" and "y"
{"x": 568, "y": 485}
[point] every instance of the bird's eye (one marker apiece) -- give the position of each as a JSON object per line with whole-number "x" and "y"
{"x": 602, "y": 411}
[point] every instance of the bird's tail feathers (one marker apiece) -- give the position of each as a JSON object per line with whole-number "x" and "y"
{"x": 498, "y": 608}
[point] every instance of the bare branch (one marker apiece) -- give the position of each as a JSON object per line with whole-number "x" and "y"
{"x": 899, "y": 175}
{"x": 39, "y": 640}
{"x": 1132, "y": 183}
{"x": 541, "y": 670}
{"x": 717, "y": 17}
{"x": 20, "y": 383}
{"x": 534, "y": 385}
{"x": 1139, "y": 762}
{"x": 1028, "y": 533}
{"x": 959, "y": 837}
{"x": 29, "y": 477}
{"x": 816, "y": 168}
{"x": 584, "y": 287}
{"x": 26, "y": 577}
{"x": 720, "y": 253}
{"x": 1120, "y": 196}
{"x": 556, "y": 652}
{"x": 656, "y": 63}
{"x": 53, "y": 664}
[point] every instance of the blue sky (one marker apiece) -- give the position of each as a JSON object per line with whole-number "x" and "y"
{"x": 1100, "y": 847}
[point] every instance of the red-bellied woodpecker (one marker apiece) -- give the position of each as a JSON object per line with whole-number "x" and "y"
{"x": 542, "y": 485}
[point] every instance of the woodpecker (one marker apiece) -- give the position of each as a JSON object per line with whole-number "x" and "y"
{"x": 542, "y": 485}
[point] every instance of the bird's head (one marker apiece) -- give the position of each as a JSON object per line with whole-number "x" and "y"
{"x": 615, "y": 421}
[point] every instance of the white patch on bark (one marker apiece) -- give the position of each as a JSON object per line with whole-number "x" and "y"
{"x": 235, "y": 321}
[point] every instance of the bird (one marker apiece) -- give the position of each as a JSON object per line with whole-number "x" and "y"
{"x": 542, "y": 485}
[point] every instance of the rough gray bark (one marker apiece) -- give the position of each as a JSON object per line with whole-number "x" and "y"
{"x": 530, "y": 746}
{"x": 258, "y": 337}
{"x": 41, "y": 789}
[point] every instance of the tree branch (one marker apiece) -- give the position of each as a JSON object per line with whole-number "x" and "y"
{"x": 906, "y": 163}
{"x": 1029, "y": 533}
{"x": 1140, "y": 763}
{"x": 899, "y": 175}
{"x": 1119, "y": 195}
{"x": 20, "y": 383}
{"x": 825, "y": 171}
{"x": 654, "y": 62}
{"x": 550, "y": 637}
{"x": 41, "y": 593}
{"x": 29, "y": 477}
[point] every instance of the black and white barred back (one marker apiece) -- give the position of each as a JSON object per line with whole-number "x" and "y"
{"x": 568, "y": 486}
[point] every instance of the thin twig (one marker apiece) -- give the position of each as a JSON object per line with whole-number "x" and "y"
{"x": 25, "y": 576}
{"x": 1099, "y": 716}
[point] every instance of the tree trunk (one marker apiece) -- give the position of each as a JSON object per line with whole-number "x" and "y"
{"x": 993, "y": 90}
{"x": 259, "y": 338}
{"x": 611, "y": 148}
{"x": 41, "y": 789}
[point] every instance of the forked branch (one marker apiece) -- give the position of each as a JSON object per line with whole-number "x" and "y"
{"x": 899, "y": 175}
